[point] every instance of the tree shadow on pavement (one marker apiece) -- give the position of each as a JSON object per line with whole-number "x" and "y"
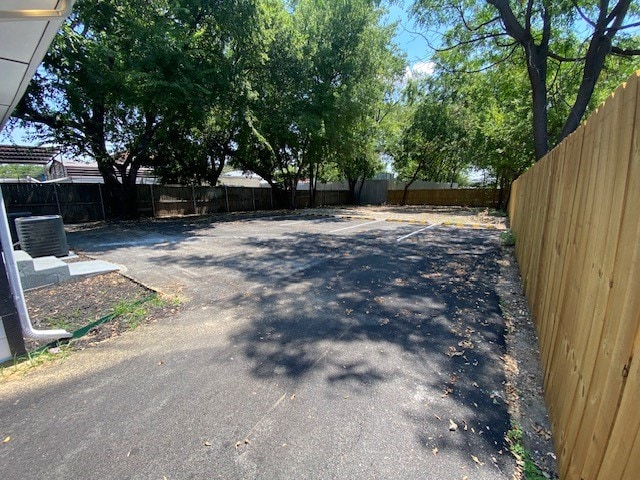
{"x": 415, "y": 325}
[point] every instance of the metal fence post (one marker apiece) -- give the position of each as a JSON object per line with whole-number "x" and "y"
{"x": 153, "y": 202}
{"x": 55, "y": 194}
{"x": 104, "y": 213}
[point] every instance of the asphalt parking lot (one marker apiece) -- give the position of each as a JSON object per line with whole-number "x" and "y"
{"x": 308, "y": 347}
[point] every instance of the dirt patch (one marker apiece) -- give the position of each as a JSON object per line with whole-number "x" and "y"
{"x": 76, "y": 304}
{"x": 460, "y": 216}
{"x": 524, "y": 388}
{"x": 482, "y": 217}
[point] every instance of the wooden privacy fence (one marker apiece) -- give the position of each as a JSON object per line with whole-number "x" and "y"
{"x": 576, "y": 217}
{"x": 78, "y": 203}
{"x": 73, "y": 201}
{"x": 463, "y": 197}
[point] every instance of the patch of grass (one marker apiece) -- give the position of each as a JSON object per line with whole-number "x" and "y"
{"x": 22, "y": 365}
{"x": 530, "y": 470}
{"x": 133, "y": 313}
{"x": 67, "y": 321}
{"x": 508, "y": 238}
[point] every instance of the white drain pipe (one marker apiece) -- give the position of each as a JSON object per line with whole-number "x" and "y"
{"x": 16, "y": 286}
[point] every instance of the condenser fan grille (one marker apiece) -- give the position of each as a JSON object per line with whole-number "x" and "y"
{"x": 42, "y": 236}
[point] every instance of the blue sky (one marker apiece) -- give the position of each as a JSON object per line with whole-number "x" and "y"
{"x": 413, "y": 44}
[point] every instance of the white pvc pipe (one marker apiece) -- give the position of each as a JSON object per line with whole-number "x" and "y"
{"x": 16, "y": 286}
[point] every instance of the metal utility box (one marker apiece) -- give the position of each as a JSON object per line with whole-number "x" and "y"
{"x": 42, "y": 236}
{"x": 12, "y": 223}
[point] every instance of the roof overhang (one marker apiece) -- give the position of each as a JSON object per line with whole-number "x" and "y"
{"x": 27, "y": 28}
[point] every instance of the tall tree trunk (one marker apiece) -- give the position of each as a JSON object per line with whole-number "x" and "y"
{"x": 293, "y": 186}
{"x": 129, "y": 198}
{"x": 594, "y": 62}
{"x": 606, "y": 27}
{"x": 413, "y": 178}
{"x": 113, "y": 193}
{"x": 406, "y": 192}
{"x": 214, "y": 171}
{"x": 352, "y": 182}
{"x": 359, "y": 194}
{"x": 537, "y": 58}
{"x": 537, "y": 70}
{"x": 312, "y": 188}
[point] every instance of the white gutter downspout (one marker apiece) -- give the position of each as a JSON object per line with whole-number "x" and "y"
{"x": 16, "y": 287}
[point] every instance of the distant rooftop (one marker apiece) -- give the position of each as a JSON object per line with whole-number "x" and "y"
{"x": 14, "y": 154}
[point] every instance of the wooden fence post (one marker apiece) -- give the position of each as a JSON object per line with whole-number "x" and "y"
{"x": 226, "y": 196}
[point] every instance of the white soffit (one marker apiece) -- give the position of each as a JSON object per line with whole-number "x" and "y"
{"x": 27, "y": 28}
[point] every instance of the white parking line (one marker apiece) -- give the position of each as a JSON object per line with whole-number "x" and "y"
{"x": 417, "y": 231}
{"x": 356, "y": 226}
{"x": 287, "y": 224}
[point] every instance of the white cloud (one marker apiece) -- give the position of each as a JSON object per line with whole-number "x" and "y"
{"x": 419, "y": 70}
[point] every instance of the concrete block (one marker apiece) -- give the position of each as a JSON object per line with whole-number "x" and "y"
{"x": 24, "y": 262}
{"x": 92, "y": 267}
{"x": 45, "y": 271}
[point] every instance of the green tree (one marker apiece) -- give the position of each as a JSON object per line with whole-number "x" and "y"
{"x": 497, "y": 119}
{"x": 202, "y": 140}
{"x": 21, "y": 171}
{"x": 556, "y": 42}
{"x": 122, "y": 72}
{"x": 435, "y": 145}
{"x": 315, "y": 102}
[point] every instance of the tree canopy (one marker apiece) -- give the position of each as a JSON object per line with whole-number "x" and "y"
{"x": 553, "y": 41}
{"x": 282, "y": 89}
{"x": 434, "y": 143}
{"x": 309, "y": 89}
{"x": 317, "y": 101}
{"x": 123, "y": 74}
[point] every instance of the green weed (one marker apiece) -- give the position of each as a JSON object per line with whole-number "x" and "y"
{"x": 133, "y": 313}
{"x": 508, "y": 238}
{"x": 22, "y": 365}
{"x": 529, "y": 469}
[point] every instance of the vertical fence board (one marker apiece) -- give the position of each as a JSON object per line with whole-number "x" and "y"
{"x": 618, "y": 336}
{"x": 610, "y": 194}
{"x": 551, "y": 270}
{"x": 575, "y": 328}
{"x": 592, "y": 289}
{"x": 573, "y": 151}
{"x": 576, "y": 217}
